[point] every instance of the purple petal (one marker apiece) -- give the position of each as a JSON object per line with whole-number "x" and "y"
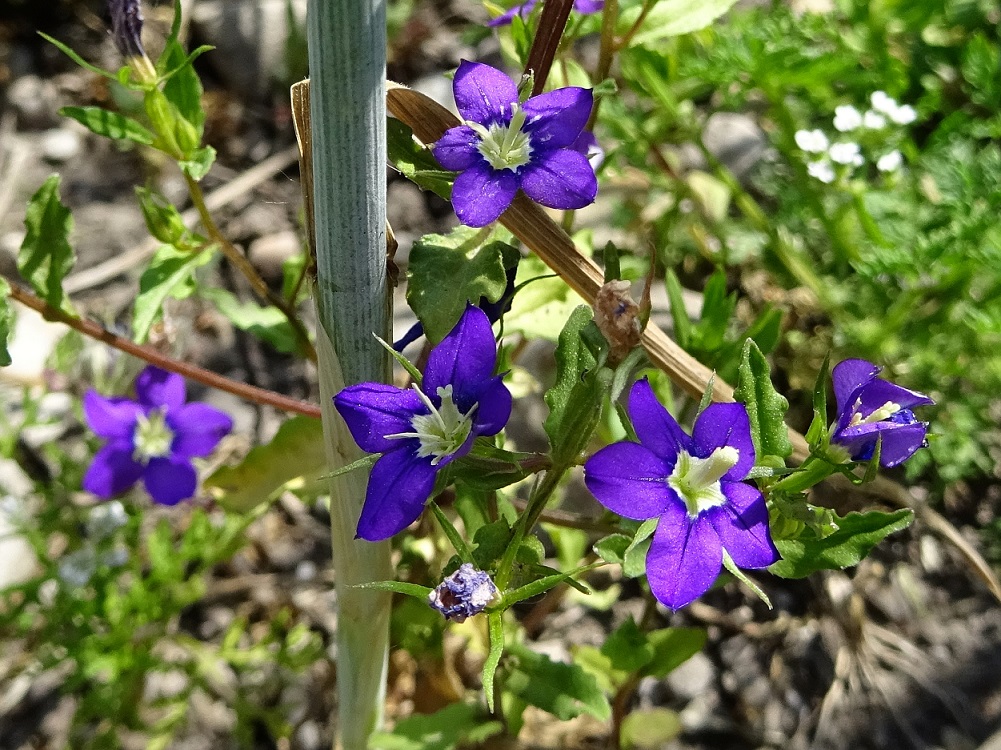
{"x": 655, "y": 427}
{"x": 556, "y": 118}
{"x": 494, "y": 408}
{"x": 742, "y": 525}
{"x": 481, "y": 194}
{"x": 111, "y": 418}
{"x": 197, "y": 429}
{"x": 156, "y": 388}
{"x": 900, "y": 441}
{"x": 398, "y": 488}
{"x": 483, "y": 94}
{"x": 588, "y": 6}
{"x": 170, "y": 479}
{"x": 112, "y": 471}
{"x": 848, "y": 376}
{"x": 456, "y": 150}
{"x": 374, "y": 410}
{"x": 560, "y": 179}
{"x": 464, "y": 359}
{"x": 685, "y": 557}
{"x": 630, "y": 480}
{"x": 725, "y": 425}
{"x": 878, "y": 393}
{"x": 503, "y": 20}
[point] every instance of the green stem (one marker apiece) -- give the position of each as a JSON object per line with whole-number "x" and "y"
{"x": 347, "y": 63}
{"x": 536, "y": 504}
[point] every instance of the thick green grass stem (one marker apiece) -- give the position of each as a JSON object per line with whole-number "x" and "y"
{"x": 347, "y": 62}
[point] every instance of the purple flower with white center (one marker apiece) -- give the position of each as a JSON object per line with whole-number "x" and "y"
{"x": 420, "y": 430}
{"x": 152, "y": 438}
{"x": 693, "y": 485}
{"x": 869, "y": 408}
{"x": 463, "y": 594}
{"x": 585, "y": 7}
{"x": 504, "y": 145}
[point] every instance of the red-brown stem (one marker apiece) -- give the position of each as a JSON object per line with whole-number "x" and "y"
{"x": 547, "y": 40}
{"x": 151, "y": 355}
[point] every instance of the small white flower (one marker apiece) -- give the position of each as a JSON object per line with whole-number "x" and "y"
{"x": 904, "y": 115}
{"x": 890, "y": 162}
{"x": 882, "y": 102}
{"x": 812, "y": 141}
{"x": 847, "y": 118}
{"x": 821, "y": 170}
{"x": 873, "y": 120}
{"x": 846, "y": 153}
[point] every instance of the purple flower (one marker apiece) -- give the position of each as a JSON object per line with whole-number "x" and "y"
{"x": 870, "y": 407}
{"x": 152, "y": 438}
{"x": 127, "y": 26}
{"x": 422, "y": 429}
{"x": 693, "y": 485}
{"x": 463, "y": 594}
{"x": 581, "y": 6}
{"x": 505, "y": 145}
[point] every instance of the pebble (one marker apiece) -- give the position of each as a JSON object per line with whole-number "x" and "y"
{"x": 59, "y": 145}
{"x": 736, "y": 140}
{"x": 693, "y": 677}
{"x": 35, "y": 101}
{"x": 269, "y": 253}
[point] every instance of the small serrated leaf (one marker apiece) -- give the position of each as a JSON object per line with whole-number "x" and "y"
{"x": 766, "y": 407}
{"x": 46, "y": 255}
{"x": 169, "y": 275}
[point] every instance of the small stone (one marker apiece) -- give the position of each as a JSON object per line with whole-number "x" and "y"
{"x": 693, "y": 677}
{"x": 35, "y": 101}
{"x": 736, "y": 140}
{"x": 269, "y": 253}
{"x": 60, "y": 145}
{"x": 308, "y": 736}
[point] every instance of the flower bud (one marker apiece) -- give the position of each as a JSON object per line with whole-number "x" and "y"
{"x": 464, "y": 593}
{"x": 126, "y": 27}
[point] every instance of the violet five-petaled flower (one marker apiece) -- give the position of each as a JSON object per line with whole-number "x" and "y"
{"x": 126, "y": 27}
{"x": 422, "y": 429}
{"x": 504, "y": 145}
{"x": 523, "y": 9}
{"x": 152, "y": 438}
{"x": 870, "y": 408}
{"x": 463, "y": 594}
{"x": 693, "y": 485}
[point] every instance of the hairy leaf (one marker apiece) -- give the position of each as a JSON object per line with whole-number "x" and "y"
{"x": 46, "y": 255}
{"x": 6, "y": 321}
{"x": 564, "y": 690}
{"x": 170, "y": 274}
{"x": 766, "y": 407}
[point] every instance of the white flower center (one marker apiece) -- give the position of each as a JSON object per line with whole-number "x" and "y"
{"x": 696, "y": 480}
{"x": 153, "y": 437}
{"x": 505, "y": 146}
{"x": 881, "y": 414}
{"x": 443, "y": 431}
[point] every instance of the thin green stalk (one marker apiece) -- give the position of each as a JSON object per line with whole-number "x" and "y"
{"x": 347, "y": 62}
{"x": 536, "y": 504}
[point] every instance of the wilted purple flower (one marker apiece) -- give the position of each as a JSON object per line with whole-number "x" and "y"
{"x": 504, "y": 145}
{"x": 127, "y": 26}
{"x": 463, "y": 594}
{"x": 152, "y": 438}
{"x": 581, "y": 6}
{"x": 870, "y": 407}
{"x": 421, "y": 430}
{"x": 693, "y": 485}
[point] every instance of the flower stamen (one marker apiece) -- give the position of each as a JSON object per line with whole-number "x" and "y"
{"x": 152, "y": 438}
{"x": 443, "y": 430}
{"x": 697, "y": 480}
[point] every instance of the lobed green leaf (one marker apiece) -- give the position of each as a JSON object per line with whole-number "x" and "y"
{"x": 46, "y": 255}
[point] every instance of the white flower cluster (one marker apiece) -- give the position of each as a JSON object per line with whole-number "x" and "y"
{"x": 834, "y": 157}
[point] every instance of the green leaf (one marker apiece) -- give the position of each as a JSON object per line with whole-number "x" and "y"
{"x": 857, "y": 534}
{"x": 766, "y": 407}
{"x": 296, "y": 450}
{"x": 184, "y": 88}
{"x": 457, "y": 723}
{"x": 458, "y": 543}
{"x": 649, "y": 728}
{"x": 672, "y": 18}
{"x": 634, "y": 559}
{"x": 164, "y": 221}
{"x": 110, "y": 124}
{"x": 46, "y": 255}
{"x": 679, "y": 315}
{"x": 170, "y": 274}
{"x": 627, "y": 647}
{"x": 542, "y": 585}
{"x": 199, "y": 163}
{"x": 447, "y": 272}
{"x": 672, "y": 647}
{"x": 574, "y": 399}
{"x": 268, "y": 324}
{"x": 741, "y": 576}
{"x": 6, "y": 321}
{"x": 612, "y": 548}
{"x": 717, "y": 309}
{"x": 415, "y": 162}
{"x": 564, "y": 690}
{"x": 491, "y": 540}
{"x": 76, "y": 58}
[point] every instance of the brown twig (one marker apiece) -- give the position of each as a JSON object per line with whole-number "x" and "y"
{"x": 547, "y": 40}
{"x": 151, "y": 355}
